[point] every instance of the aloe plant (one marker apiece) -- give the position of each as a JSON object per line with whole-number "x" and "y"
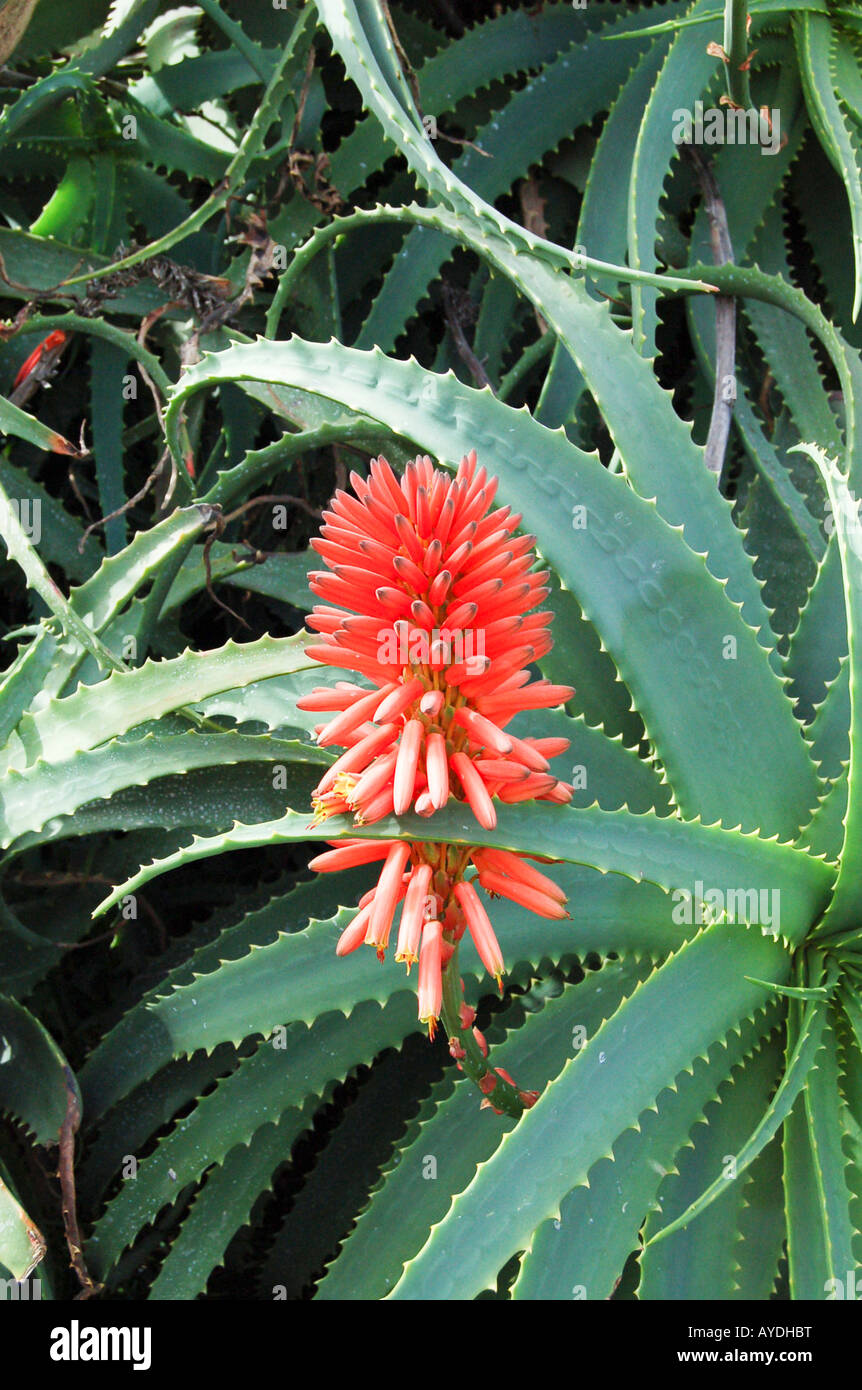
{"x": 504, "y": 251}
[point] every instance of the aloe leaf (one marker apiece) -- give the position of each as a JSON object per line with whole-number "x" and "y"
{"x": 580, "y": 1115}
{"x": 298, "y": 976}
{"x": 14, "y": 420}
{"x": 282, "y": 577}
{"x": 685, "y": 74}
{"x": 221, "y": 1207}
{"x": 798, "y": 1067}
{"x": 95, "y": 714}
{"x": 20, "y": 548}
{"x": 35, "y": 1078}
{"x": 57, "y": 788}
{"x": 678, "y": 856}
{"x": 815, "y": 37}
{"x": 584, "y": 77}
{"x": 761, "y": 1231}
{"x": 263, "y": 923}
{"x": 280, "y": 1076}
{"x": 78, "y": 74}
{"x": 101, "y": 599}
{"x": 820, "y": 641}
{"x": 107, "y": 370}
{"x": 61, "y": 533}
{"x": 830, "y": 744}
{"x": 406, "y": 1204}
{"x": 701, "y": 1257}
{"x": 827, "y": 1136}
{"x": 22, "y": 1244}
{"x": 582, "y": 1253}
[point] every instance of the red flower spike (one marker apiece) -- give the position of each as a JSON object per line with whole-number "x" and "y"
{"x": 430, "y": 597}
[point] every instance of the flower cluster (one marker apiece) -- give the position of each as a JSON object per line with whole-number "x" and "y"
{"x": 431, "y": 597}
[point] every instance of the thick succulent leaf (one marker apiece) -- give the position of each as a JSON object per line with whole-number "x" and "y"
{"x": 679, "y": 856}
{"x": 101, "y": 599}
{"x": 278, "y": 914}
{"x": 449, "y": 1131}
{"x": 582, "y": 78}
{"x": 701, "y": 1258}
{"x": 62, "y": 534}
{"x": 36, "y": 1081}
{"x": 687, "y": 70}
{"x": 20, "y": 548}
{"x": 280, "y": 1076}
{"x": 146, "y": 1111}
{"x": 347, "y": 1170}
{"x": 22, "y": 1244}
{"x": 95, "y": 714}
{"x": 597, "y": 1096}
{"x": 298, "y": 976}
{"x": 814, "y": 39}
{"x": 799, "y": 1065}
{"x": 583, "y": 1252}
{"x": 193, "y": 802}
{"x": 820, "y": 642}
{"x": 762, "y": 1232}
{"x": 47, "y": 789}
{"x": 827, "y": 1135}
{"x": 222, "y": 1206}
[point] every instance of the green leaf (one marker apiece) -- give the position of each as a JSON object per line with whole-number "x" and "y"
{"x": 95, "y": 714}
{"x": 798, "y": 1067}
{"x": 679, "y": 856}
{"x": 581, "y": 1115}
{"x": 586, "y": 1249}
{"x": 827, "y": 1136}
{"x": 450, "y": 1130}
{"x": 15, "y": 421}
{"x": 35, "y": 1078}
{"x": 298, "y": 976}
{"x": 760, "y": 1245}
{"x": 57, "y": 788}
{"x": 281, "y": 1075}
{"x": 107, "y": 371}
{"x": 22, "y": 1244}
{"x": 699, "y": 1261}
{"x": 815, "y": 40}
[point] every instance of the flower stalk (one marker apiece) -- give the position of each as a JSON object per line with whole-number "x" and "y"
{"x": 429, "y": 600}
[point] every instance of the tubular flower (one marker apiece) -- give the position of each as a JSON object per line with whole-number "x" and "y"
{"x": 429, "y": 595}
{"x": 429, "y": 598}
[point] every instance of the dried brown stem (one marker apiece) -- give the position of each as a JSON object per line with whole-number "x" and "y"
{"x": 465, "y": 351}
{"x": 725, "y": 319}
{"x": 66, "y": 1174}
